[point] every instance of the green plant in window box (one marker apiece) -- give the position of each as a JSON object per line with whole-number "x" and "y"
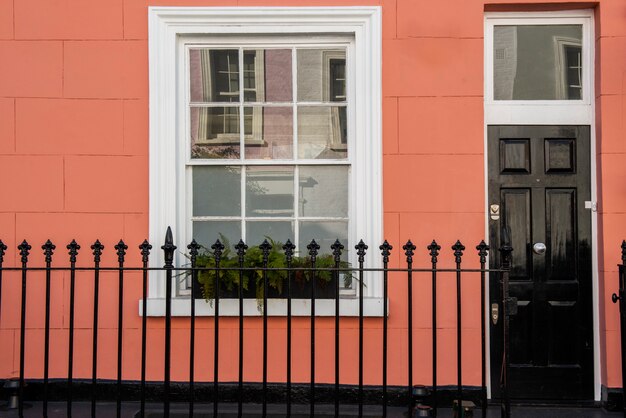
{"x": 229, "y": 276}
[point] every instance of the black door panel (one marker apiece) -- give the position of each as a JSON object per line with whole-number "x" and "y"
{"x": 540, "y": 178}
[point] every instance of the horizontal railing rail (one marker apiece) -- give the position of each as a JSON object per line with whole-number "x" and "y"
{"x": 221, "y": 265}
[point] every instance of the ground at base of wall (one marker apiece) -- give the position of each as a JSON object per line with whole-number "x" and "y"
{"x": 179, "y": 410}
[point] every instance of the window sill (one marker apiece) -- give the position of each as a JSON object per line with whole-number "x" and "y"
{"x": 348, "y": 307}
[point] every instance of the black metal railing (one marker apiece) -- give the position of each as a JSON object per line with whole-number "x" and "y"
{"x": 621, "y": 298}
{"x": 408, "y": 395}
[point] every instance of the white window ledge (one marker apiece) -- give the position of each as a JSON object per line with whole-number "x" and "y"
{"x": 348, "y": 307}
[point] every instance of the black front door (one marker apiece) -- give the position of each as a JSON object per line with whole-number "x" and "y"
{"x": 539, "y": 183}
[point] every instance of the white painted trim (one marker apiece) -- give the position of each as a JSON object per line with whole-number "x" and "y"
{"x": 167, "y": 24}
{"x": 372, "y": 307}
{"x": 544, "y": 112}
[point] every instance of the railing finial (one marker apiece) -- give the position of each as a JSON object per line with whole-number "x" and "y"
{"x": 385, "y": 250}
{"x": 361, "y": 249}
{"x": 409, "y": 251}
{"x": 48, "y": 249}
{"x": 24, "y": 248}
{"x": 337, "y": 247}
{"x": 483, "y": 250}
{"x": 289, "y": 249}
{"x": 168, "y": 248}
{"x": 73, "y": 248}
{"x": 145, "y": 248}
{"x": 433, "y": 249}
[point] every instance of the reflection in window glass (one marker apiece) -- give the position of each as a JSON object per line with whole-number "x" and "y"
{"x": 537, "y": 62}
{"x": 214, "y": 75}
{"x": 269, "y": 191}
{"x": 322, "y": 132}
{"x": 270, "y": 133}
{"x": 321, "y": 75}
{"x": 323, "y": 191}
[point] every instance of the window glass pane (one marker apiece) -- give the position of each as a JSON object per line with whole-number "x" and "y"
{"x": 267, "y": 75}
{"x": 216, "y": 191}
{"x": 269, "y": 191}
{"x": 324, "y": 233}
{"x": 207, "y": 232}
{"x": 321, "y": 75}
{"x": 214, "y": 75}
{"x": 269, "y": 134}
{"x": 214, "y": 132}
{"x": 278, "y": 231}
{"x": 323, "y": 191}
{"x": 538, "y": 62}
{"x": 322, "y": 132}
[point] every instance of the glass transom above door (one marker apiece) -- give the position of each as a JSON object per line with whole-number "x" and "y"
{"x": 538, "y": 62}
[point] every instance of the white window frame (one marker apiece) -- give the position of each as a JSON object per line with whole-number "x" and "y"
{"x": 555, "y": 112}
{"x": 549, "y": 112}
{"x": 167, "y": 184}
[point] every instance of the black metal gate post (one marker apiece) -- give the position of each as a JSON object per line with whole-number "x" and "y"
{"x": 507, "y": 303}
{"x": 622, "y": 319}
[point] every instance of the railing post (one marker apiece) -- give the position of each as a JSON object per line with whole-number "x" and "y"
{"x": 433, "y": 249}
{"x": 121, "y": 252}
{"x": 193, "y": 248}
{"x": 458, "y": 249}
{"x": 505, "y": 251}
{"x": 385, "y": 252}
{"x": 483, "y": 251}
{"x": 168, "y": 251}
{"x": 145, "y": 248}
{"x": 361, "y": 249}
{"x": 97, "y": 248}
{"x": 48, "y": 250}
{"x": 24, "y": 248}
{"x": 218, "y": 249}
{"x": 337, "y": 248}
{"x": 620, "y": 296}
{"x": 73, "y": 248}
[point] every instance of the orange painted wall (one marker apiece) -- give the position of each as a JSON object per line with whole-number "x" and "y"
{"x": 74, "y": 159}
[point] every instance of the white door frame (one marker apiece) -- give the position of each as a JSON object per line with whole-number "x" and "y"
{"x": 547, "y": 112}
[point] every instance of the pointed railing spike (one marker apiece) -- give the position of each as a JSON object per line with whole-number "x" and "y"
{"x": 361, "y": 250}
{"x": 385, "y": 250}
{"x": 409, "y": 251}
{"x": 73, "y": 248}
{"x": 168, "y": 248}
{"x": 97, "y": 249}
{"x": 623, "y": 252}
{"x": 121, "y": 248}
{"x": 24, "y": 248}
{"x": 434, "y": 251}
{"x": 3, "y": 248}
{"x": 48, "y": 250}
{"x": 483, "y": 250}
{"x": 241, "y": 248}
{"x": 145, "y": 248}
{"x": 289, "y": 249}
{"x": 218, "y": 249}
{"x": 337, "y": 247}
{"x": 193, "y": 248}
{"x": 313, "y": 248}
{"x": 458, "y": 249}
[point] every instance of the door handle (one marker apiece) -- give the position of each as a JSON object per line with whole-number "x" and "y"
{"x": 495, "y": 313}
{"x": 539, "y": 248}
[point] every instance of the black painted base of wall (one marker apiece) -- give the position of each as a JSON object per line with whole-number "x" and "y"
{"x": 228, "y": 392}
{"x": 612, "y": 399}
